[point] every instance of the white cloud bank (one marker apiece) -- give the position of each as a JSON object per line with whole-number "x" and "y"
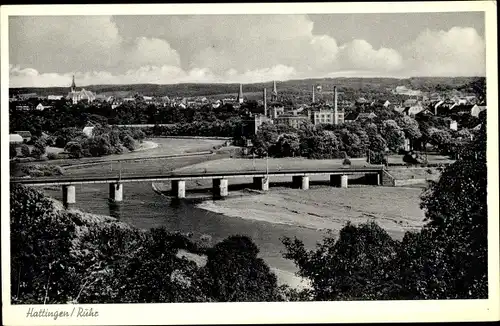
{"x": 46, "y": 51}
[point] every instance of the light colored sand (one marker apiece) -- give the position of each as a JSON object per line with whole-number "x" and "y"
{"x": 395, "y": 209}
{"x": 145, "y": 145}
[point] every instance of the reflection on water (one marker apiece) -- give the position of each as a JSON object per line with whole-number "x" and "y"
{"x": 114, "y": 208}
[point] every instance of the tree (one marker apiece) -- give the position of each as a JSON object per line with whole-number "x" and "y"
{"x": 393, "y": 134}
{"x": 410, "y": 128}
{"x": 12, "y": 150}
{"x": 129, "y": 143}
{"x": 25, "y": 150}
{"x": 457, "y": 213}
{"x": 68, "y": 134}
{"x": 358, "y": 265}
{"x": 38, "y": 149}
{"x": 74, "y": 149}
{"x": 439, "y": 138}
{"x": 40, "y": 249}
{"x": 287, "y": 145}
{"x": 247, "y": 279}
{"x": 266, "y": 137}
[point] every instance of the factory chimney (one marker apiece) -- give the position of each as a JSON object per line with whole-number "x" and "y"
{"x": 265, "y": 103}
{"x": 274, "y": 94}
{"x": 240, "y": 95}
{"x": 313, "y": 93}
{"x": 336, "y": 114}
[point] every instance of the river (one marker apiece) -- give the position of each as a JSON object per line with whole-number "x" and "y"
{"x": 144, "y": 208}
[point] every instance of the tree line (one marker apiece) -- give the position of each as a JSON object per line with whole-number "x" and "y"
{"x": 373, "y": 138}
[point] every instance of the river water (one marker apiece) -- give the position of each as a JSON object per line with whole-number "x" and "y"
{"x": 144, "y": 208}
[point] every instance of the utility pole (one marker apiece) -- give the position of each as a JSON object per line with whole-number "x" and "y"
{"x": 267, "y": 164}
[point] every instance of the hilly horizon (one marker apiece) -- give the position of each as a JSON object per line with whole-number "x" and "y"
{"x": 209, "y": 89}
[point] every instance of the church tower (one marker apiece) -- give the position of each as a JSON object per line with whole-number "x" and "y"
{"x": 73, "y": 85}
{"x": 274, "y": 94}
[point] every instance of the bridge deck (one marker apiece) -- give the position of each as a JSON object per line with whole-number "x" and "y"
{"x": 126, "y": 178}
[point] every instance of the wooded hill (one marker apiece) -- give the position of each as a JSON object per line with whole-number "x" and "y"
{"x": 291, "y": 86}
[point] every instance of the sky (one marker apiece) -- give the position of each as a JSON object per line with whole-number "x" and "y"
{"x": 45, "y": 51}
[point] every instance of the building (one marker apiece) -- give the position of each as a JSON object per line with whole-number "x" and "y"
{"x": 15, "y": 139}
{"x": 54, "y": 97}
{"x": 26, "y": 135}
{"x": 27, "y": 96}
{"x": 476, "y": 109}
{"x": 294, "y": 121}
{"x": 353, "y": 116}
{"x": 453, "y": 125}
{"x": 323, "y": 116}
{"x": 23, "y": 107}
{"x": 413, "y": 110}
{"x": 253, "y": 123}
{"x": 463, "y": 109}
{"x": 277, "y": 110}
{"x": 88, "y": 130}
{"x": 41, "y": 107}
{"x": 81, "y": 95}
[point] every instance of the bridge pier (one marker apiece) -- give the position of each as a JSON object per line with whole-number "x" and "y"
{"x": 300, "y": 182}
{"x": 220, "y": 188}
{"x": 373, "y": 179}
{"x": 179, "y": 188}
{"x": 261, "y": 183}
{"x": 335, "y": 180}
{"x": 343, "y": 181}
{"x": 69, "y": 194}
{"x": 116, "y": 192}
{"x": 296, "y": 181}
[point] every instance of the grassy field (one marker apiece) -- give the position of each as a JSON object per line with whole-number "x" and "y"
{"x": 431, "y": 158}
{"x": 395, "y": 209}
{"x": 155, "y": 147}
{"x": 274, "y": 164}
{"x": 154, "y": 166}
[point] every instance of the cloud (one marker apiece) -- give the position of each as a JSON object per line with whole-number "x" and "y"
{"x": 45, "y": 50}
{"x": 359, "y": 54}
{"x": 459, "y": 51}
{"x": 165, "y": 74}
{"x": 151, "y": 52}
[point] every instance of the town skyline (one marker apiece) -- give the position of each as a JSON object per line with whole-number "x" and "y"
{"x": 46, "y": 51}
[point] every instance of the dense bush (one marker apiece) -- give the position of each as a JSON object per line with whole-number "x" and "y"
{"x": 52, "y": 156}
{"x": 41, "y": 170}
{"x": 74, "y": 149}
{"x": 248, "y": 279}
{"x": 329, "y": 141}
{"x": 66, "y": 135}
{"x": 25, "y": 150}
{"x": 12, "y": 150}
{"x": 105, "y": 140}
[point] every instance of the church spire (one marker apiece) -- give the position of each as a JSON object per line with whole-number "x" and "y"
{"x": 73, "y": 86}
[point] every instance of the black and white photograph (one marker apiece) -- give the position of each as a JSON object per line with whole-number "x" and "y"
{"x": 249, "y": 154}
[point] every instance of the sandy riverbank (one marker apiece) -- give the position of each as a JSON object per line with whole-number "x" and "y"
{"x": 395, "y": 209}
